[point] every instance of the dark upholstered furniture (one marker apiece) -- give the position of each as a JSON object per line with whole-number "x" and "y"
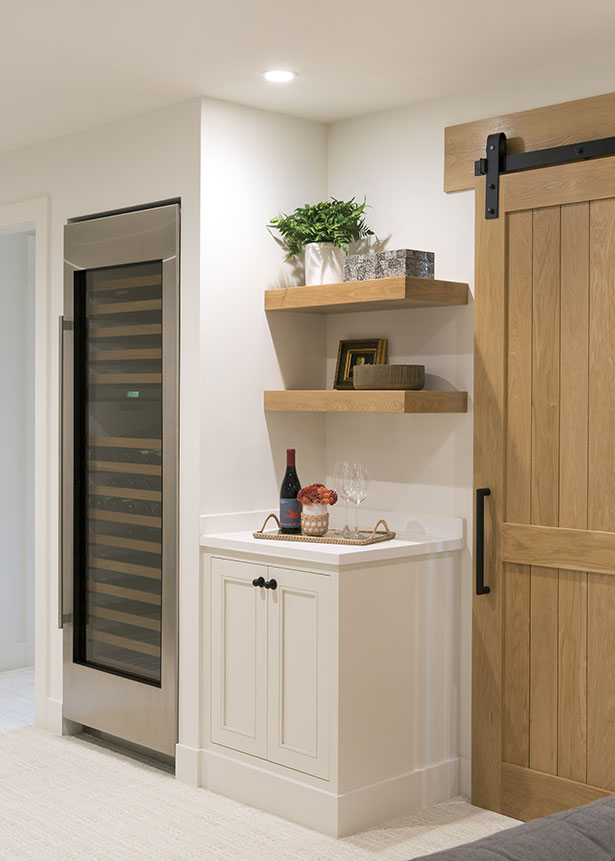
{"x": 581, "y": 834}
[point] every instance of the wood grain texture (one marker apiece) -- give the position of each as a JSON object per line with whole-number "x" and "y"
{"x": 572, "y": 676}
{"x": 545, "y": 367}
{"x": 519, "y": 367}
{"x": 566, "y": 123}
{"x": 378, "y": 294}
{"x": 551, "y": 547}
{"x": 600, "y": 687}
{"x": 530, "y": 794}
{"x": 559, "y": 185}
{"x": 516, "y": 665}
{"x": 516, "y": 615}
{"x": 543, "y": 669}
{"x": 601, "y": 506}
{"x": 354, "y": 401}
{"x": 490, "y": 311}
{"x": 574, "y": 394}
{"x": 544, "y": 484}
{"x": 574, "y": 365}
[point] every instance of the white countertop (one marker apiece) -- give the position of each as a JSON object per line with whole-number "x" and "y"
{"x": 332, "y": 554}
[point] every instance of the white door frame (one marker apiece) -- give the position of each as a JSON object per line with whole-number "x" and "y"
{"x": 35, "y": 213}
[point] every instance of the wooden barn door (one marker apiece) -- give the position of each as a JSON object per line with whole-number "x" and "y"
{"x": 544, "y": 636}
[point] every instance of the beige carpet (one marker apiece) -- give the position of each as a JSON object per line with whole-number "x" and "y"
{"x": 74, "y": 798}
{"x": 16, "y": 698}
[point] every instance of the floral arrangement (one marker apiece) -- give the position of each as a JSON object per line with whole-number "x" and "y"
{"x": 316, "y": 494}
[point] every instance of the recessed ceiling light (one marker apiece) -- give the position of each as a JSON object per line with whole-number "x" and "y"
{"x": 279, "y": 76}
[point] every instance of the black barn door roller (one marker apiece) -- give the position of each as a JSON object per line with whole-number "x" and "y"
{"x": 497, "y": 162}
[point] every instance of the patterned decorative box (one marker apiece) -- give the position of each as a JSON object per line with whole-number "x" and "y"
{"x": 389, "y": 264}
{"x": 359, "y": 267}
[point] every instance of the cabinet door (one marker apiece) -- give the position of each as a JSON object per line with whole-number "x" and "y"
{"x": 238, "y": 657}
{"x": 299, "y": 671}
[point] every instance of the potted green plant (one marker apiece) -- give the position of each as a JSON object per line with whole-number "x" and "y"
{"x": 323, "y": 230}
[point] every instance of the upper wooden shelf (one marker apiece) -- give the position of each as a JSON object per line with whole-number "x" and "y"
{"x": 380, "y": 294}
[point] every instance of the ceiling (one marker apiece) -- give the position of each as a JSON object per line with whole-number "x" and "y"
{"x": 67, "y": 65}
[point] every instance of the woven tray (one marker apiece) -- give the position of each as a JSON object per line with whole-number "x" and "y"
{"x": 372, "y": 537}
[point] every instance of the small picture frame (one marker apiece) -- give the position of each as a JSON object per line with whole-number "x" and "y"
{"x": 369, "y": 351}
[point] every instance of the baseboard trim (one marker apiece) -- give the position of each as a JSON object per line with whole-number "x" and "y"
{"x": 337, "y": 815}
{"x": 53, "y": 716}
{"x": 188, "y": 765}
{"x": 388, "y": 799}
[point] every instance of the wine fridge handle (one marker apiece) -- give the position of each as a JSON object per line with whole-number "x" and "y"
{"x": 61, "y": 475}
{"x": 481, "y": 493}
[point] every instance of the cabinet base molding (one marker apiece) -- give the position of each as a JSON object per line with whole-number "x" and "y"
{"x": 337, "y": 815}
{"x": 189, "y": 765}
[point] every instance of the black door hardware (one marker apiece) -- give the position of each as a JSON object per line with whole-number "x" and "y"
{"x": 259, "y": 581}
{"x": 479, "y": 550}
{"x": 498, "y": 161}
{"x": 271, "y": 584}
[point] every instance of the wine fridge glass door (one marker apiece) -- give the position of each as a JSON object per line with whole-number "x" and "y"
{"x": 118, "y": 434}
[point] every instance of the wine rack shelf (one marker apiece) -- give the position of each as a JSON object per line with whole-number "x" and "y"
{"x": 126, "y": 493}
{"x": 125, "y": 543}
{"x": 380, "y": 294}
{"x": 125, "y": 642}
{"x": 124, "y": 567}
{"x": 355, "y": 401}
{"x": 125, "y": 517}
{"x": 125, "y": 331}
{"x": 125, "y": 618}
{"x": 103, "y": 308}
{"x": 125, "y": 467}
{"x": 124, "y": 442}
{"x": 122, "y": 592}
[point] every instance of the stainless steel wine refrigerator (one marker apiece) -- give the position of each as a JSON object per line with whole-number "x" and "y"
{"x": 118, "y": 584}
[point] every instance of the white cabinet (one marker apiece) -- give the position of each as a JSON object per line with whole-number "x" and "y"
{"x": 270, "y": 664}
{"x": 330, "y": 699}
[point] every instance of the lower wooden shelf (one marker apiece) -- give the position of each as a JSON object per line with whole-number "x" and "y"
{"x": 354, "y": 401}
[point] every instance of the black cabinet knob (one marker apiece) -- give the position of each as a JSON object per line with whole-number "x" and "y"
{"x": 271, "y": 584}
{"x": 259, "y": 581}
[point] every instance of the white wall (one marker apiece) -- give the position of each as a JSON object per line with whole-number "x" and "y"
{"x": 255, "y": 164}
{"x": 150, "y": 157}
{"x": 16, "y": 449}
{"x": 396, "y": 158}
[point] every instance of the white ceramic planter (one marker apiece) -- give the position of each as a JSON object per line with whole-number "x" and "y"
{"x": 324, "y": 263}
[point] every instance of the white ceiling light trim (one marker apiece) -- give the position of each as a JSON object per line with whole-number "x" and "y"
{"x": 279, "y": 76}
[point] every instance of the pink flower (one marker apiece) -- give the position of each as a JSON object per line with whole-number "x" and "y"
{"x": 317, "y": 494}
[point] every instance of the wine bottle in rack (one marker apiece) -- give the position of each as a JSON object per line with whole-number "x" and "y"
{"x": 290, "y": 507}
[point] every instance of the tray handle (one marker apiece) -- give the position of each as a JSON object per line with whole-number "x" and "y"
{"x": 375, "y": 530}
{"x": 269, "y": 516}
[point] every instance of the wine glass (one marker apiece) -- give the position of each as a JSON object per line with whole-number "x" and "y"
{"x": 357, "y": 491}
{"x": 341, "y": 475}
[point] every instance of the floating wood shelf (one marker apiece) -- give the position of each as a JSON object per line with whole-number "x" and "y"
{"x": 353, "y": 401}
{"x": 380, "y": 294}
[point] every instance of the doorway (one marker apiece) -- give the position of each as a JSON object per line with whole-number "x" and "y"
{"x": 29, "y": 447}
{"x": 17, "y": 290}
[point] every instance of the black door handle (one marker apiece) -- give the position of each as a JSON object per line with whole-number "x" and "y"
{"x": 258, "y": 581}
{"x": 271, "y": 584}
{"x": 481, "y": 493}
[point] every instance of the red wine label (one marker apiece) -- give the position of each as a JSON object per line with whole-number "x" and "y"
{"x": 290, "y": 514}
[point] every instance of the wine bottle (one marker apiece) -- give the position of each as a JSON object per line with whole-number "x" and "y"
{"x": 290, "y": 507}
